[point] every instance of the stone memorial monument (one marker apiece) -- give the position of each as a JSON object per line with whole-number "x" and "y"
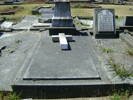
{"x": 104, "y": 22}
{"x": 62, "y": 21}
{"x": 62, "y": 14}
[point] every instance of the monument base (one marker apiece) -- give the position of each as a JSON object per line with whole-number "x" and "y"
{"x": 106, "y": 35}
{"x": 66, "y": 30}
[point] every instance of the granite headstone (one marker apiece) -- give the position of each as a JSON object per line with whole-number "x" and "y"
{"x": 104, "y": 21}
{"x": 62, "y": 14}
{"x": 129, "y": 21}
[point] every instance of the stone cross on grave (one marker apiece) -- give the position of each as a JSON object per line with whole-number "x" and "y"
{"x": 63, "y": 39}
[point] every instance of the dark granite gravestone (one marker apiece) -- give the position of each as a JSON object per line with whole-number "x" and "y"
{"x": 62, "y": 14}
{"x": 129, "y": 21}
{"x": 104, "y": 22}
{"x": 62, "y": 21}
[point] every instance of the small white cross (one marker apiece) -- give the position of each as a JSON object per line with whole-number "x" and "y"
{"x": 63, "y": 39}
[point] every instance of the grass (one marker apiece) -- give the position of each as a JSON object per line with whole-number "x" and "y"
{"x": 121, "y": 95}
{"x": 84, "y": 24}
{"x": 119, "y": 69}
{"x": 107, "y": 50}
{"x": 1, "y": 96}
{"x": 14, "y": 96}
{"x": 13, "y": 18}
{"x": 27, "y": 8}
{"x": 129, "y": 52}
{"x": 121, "y": 10}
{"x": 9, "y": 96}
{"x": 26, "y": 11}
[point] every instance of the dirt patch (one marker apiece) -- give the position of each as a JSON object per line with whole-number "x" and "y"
{"x": 10, "y": 10}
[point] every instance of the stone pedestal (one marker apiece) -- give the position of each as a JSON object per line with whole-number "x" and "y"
{"x": 62, "y": 14}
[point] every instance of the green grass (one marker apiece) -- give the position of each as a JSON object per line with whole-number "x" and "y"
{"x": 26, "y": 11}
{"x": 121, "y": 94}
{"x": 84, "y": 24}
{"x": 119, "y": 69}
{"x": 129, "y": 52}
{"x": 27, "y": 8}
{"x": 107, "y": 50}
{"x": 16, "y": 18}
{"x": 1, "y": 96}
{"x": 120, "y": 10}
{"x": 13, "y": 96}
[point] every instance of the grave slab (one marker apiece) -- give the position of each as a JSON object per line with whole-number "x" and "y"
{"x": 50, "y": 62}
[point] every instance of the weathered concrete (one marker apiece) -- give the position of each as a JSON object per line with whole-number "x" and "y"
{"x": 26, "y": 23}
{"x": 34, "y": 62}
{"x": 50, "y": 62}
{"x": 14, "y": 49}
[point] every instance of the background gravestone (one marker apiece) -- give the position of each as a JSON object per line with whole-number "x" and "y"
{"x": 129, "y": 21}
{"x": 104, "y": 22}
{"x": 46, "y": 14}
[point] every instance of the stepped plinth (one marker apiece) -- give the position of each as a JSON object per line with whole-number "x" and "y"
{"x": 62, "y": 20}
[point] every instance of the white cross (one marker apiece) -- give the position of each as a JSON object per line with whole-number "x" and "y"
{"x": 63, "y": 39}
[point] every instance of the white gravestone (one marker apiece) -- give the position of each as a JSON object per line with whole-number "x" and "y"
{"x": 105, "y": 21}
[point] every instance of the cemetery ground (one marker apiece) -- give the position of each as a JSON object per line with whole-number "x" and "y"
{"x": 116, "y": 55}
{"x": 121, "y": 10}
{"x": 113, "y": 49}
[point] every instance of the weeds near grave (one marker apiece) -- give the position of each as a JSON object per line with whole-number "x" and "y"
{"x": 119, "y": 69}
{"x": 1, "y": 96}
{"x": 115, "y": 97}
{"x": 129, "y": 52}
{"x": 121, "y": 94}
{"x": 18, "y": 41}
{"x": 84, "y": 24}
{"x": 13, "y": 96}
{"x": 107, "y": 50}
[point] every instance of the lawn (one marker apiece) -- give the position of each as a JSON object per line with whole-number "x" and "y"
{"x": 121, "y": 10}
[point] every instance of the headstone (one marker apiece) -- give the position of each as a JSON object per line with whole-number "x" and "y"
{"x": 104, "y": 22}
{"x": 129, "y": 21}
{"x": 62, "y": 14}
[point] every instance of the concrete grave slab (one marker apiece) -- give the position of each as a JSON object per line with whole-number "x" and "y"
{"x": 49, "y": 62}
{"x": 13, "y": 51}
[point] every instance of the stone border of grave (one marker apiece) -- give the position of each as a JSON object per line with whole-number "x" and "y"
{"x": 127, "y": 38}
